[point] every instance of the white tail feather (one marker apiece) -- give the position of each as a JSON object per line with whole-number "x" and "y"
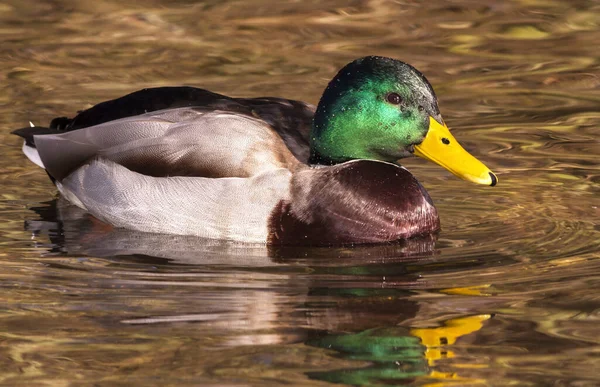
{"x": 33, "y": 155}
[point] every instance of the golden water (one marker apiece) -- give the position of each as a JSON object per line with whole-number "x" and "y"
{"x": 510, "y": 295}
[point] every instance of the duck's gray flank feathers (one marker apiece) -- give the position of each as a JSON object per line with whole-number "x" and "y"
{"x": 226, "y": 208}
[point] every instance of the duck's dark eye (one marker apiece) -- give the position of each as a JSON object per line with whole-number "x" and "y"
{"x": 394, "y": 98}
{"x": 445, "y": 141}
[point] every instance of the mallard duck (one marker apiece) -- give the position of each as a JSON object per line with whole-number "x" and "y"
{"x": 183, "y": 160}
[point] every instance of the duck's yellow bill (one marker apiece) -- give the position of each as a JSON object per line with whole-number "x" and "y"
{"x": 442, "y": 148}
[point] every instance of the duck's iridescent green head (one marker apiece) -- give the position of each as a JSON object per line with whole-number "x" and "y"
{"x": 383, "y": 109}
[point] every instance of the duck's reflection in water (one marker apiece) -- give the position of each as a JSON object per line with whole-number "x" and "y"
{"x": 352, "y": 300}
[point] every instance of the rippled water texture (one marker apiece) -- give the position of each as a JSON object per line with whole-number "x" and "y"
{"x": 508, "y": 294}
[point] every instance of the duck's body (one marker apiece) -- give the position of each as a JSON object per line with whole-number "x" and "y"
{"x": 188, "y": 161}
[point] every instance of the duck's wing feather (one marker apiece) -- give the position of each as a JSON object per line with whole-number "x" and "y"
{"x": 291, "y": 119}
{"x": 174, "y": 142}
{"x": 229, "y": 208}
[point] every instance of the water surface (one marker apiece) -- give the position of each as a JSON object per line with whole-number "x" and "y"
{"x": 508, "y": 293}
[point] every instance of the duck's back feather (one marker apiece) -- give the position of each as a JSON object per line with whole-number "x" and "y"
{"x": 291, "y": 119}
{"x": 174, "y": 142}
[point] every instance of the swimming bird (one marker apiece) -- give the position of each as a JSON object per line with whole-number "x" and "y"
{"x": 183, "y": 160}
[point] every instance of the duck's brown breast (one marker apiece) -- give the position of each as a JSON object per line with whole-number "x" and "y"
{"x": 359, "y": 201}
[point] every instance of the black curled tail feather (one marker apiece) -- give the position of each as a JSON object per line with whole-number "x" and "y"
{"x": 61, "y": 124}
